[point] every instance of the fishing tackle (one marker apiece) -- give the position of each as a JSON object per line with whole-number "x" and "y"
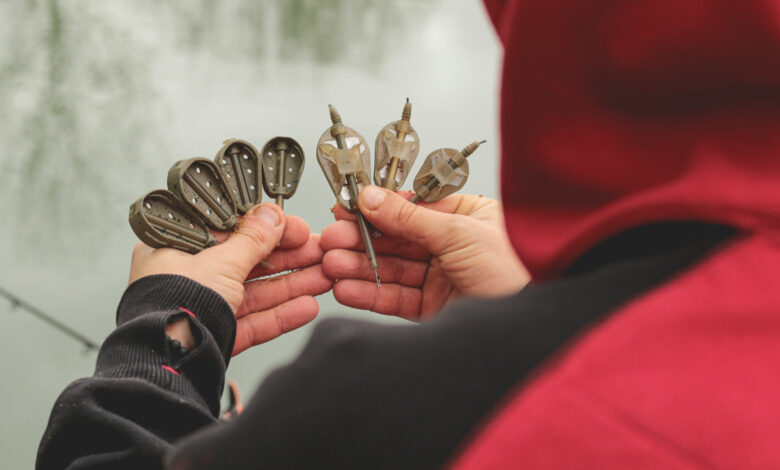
{"x": 345, "y": 159}
{"x": 444, "y": 171}
{"x": 396, "y": 149}
{"x": 199, "y": 183}
{"x": 239, "y": 164}
{"x": 282, "y": 162}
{"x": 160, "y": 219}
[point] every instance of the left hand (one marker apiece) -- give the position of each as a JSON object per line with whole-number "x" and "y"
{"x": 429, "y": 255}
{"x": 264, "y": 308}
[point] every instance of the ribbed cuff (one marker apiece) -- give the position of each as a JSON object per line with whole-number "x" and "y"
{"x": 163, "y": 292}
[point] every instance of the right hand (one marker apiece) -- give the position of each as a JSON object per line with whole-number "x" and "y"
{"x": 429, "y": 254}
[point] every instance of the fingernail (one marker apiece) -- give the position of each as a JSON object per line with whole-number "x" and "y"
{"x": 268, "y": 214}
{"x": 373, "y": 197}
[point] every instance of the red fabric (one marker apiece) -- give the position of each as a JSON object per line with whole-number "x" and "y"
{"x": 684, "y": 378}
{"x": 170, "y": 369}
{"x": 616, "y": 114}
{"x": 187, "y": 312}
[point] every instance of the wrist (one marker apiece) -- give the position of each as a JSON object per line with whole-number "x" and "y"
{"x": 181, "y": 331}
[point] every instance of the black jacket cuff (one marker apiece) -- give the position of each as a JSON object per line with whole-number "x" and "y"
{"x": 163, "y": 292}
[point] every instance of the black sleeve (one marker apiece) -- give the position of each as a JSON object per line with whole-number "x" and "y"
{"x": 143, "y": 396}
{"x": 363, "y": 395}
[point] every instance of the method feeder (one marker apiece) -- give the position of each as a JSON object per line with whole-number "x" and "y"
{"x": 198, "y": 197}
{"x": 201, "y": 194}
{"x": 198, "y": 182}
{"x": 238, "y": 161}
{"x": 396, "y": 148}
{"x": 239, "y": 164}
{"x": 444, "y": 171}
{"x": 346, "y": 165}
{"x": 162, "y": 220}
{"x": 282, "y": 161}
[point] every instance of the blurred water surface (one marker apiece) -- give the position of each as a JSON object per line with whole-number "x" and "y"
{"x": 98, "y": 99}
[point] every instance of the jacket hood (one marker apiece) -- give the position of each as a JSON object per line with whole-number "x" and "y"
{"x": 618, "y": 113}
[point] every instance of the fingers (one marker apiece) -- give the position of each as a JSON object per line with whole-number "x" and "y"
{"x": 342, "y": 214}
{"x": 257, "y": 236}
{"x": 303, "y": 256}
{"x": 296, "y": 232}
{"x": 347, "y": 264}
{"x": 266, "y": 293}
{"x": 453, "y": 204}
{"x": 395, "y": 216}
{"x": 345, "y": 234}
{"x": 390, "y": 299}
{"x": 394, "y": 299}
{"x": 259, "y": 327}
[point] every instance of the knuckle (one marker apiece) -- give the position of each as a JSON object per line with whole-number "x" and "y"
{"x": 255, "y": 235}
{"x": 404, "y": 301}
{"x": 365, "y": 269}
{"x": 374, "y": 303}
{"x": 287, "y": 288}
{"x": 251, "y": 336}
{"x": 279, "y": 322}
{"x": 397, "y": 271}
{"x": 250, "y": 301}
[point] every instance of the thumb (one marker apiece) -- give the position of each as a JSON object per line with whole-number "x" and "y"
{"x": 256, "y": 236}
{"x": 397, "y": 217}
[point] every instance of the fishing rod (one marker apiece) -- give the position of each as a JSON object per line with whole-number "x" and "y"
{"x": 49, "y": 319}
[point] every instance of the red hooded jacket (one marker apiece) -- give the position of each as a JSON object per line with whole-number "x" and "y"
{"x": 622, "y": 113}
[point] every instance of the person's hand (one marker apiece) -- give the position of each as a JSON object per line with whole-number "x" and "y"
{"x": 264, "y": 308}
{"x": 428, "y": 254}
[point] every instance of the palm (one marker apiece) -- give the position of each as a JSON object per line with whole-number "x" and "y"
{"x": 271, "y": 306}
{"x": 437, "y": 290}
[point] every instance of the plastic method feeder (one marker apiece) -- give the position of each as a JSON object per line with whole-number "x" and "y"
{"x": 239, "y": 163}
{"x": 444, "y": 172}
{"x": 198, "y": 182}
{"x": 160, "y": 220}
{"x": 345, "y": 159}
{"x": 282, "y": 161}
{"x": 396, "y": 149}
